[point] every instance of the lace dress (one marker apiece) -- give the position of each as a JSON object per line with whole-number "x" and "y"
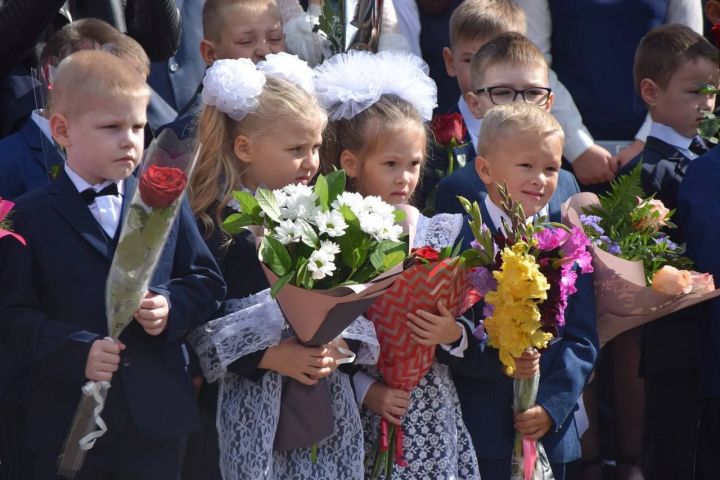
{"x": 248, "y": 411}
{"x": 437, "y": 444}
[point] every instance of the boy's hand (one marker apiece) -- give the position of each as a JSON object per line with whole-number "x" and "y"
{"x": 103, "y": 360}
{"x": 628, "y": 153}
{"x": 389, "y": 403}
{"x": 428, "y": 329}
{"x": 594, "y": 165}
{"x": 527, "y": 365}
{"x": 304, "y": 364}
{"x": 153, "y": 313}
{"x": 533, "y": 422}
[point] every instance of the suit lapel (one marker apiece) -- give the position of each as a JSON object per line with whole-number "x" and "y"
{"x": 670, "y": 153}
{"x": 68, "y": 203}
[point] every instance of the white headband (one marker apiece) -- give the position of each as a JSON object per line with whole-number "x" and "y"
{"x": 233, "y": 86}
{"x": 348, "y": 83}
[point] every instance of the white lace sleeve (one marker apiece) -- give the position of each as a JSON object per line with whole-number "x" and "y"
{"x": 257, "y": 323}
{"x": 439, "y": 231}
{"x": 363, "y": 330}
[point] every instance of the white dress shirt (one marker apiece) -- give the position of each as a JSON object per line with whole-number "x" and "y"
{"x": 670, "y": 136}
{"x": 471, "y": 123}
{"x": 105, "y": 209}
{"x": 539, "y": 30}
{"x": 42, "y": 123}
{"x": 498, "y": 216}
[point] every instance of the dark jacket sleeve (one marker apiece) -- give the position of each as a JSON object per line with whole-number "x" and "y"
{"x": 156, "y": 25}
{"x": 22, "y": 23}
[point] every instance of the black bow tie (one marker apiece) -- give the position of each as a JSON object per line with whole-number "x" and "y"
{"x": 89, "y": 195}
{"x": 698, "y": 147}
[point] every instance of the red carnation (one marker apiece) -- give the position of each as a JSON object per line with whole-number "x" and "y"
{"x": 426, "y": 253}
{"x": 449, "y": 127}
{"x": 161, "y": 186}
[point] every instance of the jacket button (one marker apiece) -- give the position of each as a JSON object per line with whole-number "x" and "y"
{"x": 126, "y": 361}
{"x": 174, "y": 67}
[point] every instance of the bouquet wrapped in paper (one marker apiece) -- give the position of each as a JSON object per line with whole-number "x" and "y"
{"x": 527, "y": 272}
{"x": 5, "y": 225}
{"x": 433, "y": 276}
{"x": 328, "y": 255}
{"x": 162, "y": 181}
{"x": 640, "y": 274}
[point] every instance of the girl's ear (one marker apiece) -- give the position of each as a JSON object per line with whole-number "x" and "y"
{"x": 59, "y": 129}
{"x": 350, "y": 163}
{"x": 242, "y": 149}
{"x": 482, "y": 167}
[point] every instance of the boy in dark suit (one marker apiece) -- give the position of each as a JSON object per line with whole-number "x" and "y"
{"x": 520, "y": 145}
{"x": 672, "y": 65}
{"x": 53, "y": 305}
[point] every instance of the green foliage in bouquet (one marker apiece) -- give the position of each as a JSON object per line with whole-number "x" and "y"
{"x": 332, "y": 25}
{"x": 631, "y": 227}
{"x": 321, "y": 237}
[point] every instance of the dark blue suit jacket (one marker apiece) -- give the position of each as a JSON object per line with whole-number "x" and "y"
{"x": 699, "y": 215}
{"x": 486, "y": 393}
{"x": 53, "y": 308}
{"x": 26, "y": 158}
{"x": 669, "y": 343}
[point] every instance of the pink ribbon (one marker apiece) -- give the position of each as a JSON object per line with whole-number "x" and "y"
{"x": 5, "y": 207}
{"x": 529, "y": 457}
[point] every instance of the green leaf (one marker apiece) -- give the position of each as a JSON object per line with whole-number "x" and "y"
{"x": 304, "y": 277}
{"x": 321, "y": 190}
{"x": 248, "y": 203}
{"x": 235, "y": 223}
{"x": 387, "y": 254}
{"x": 131, "y": 251}
{"x": 267, "y": 201}
{"x": 336, "y": 184}
{"x": 275, "y": 256}
{"x": 282, "y": 281}
{"x": 157, "y": 226}
{"x": 308, "y": 234}
{"x": 399, "y": 216}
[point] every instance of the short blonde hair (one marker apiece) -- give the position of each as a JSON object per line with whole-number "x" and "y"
{"x": 510, "y": 48}
{"x": 485, "y": 20}
{"x": 218, "y": 170}
{"x": 504, "y": 121}
{"x": 90, "y": 74}
{"x": 215, "y": 14}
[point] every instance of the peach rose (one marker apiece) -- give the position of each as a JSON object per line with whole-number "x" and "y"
{"x": 702, "y": 282}
{"x": 657, "y": 216}
{"x": 672, "y": 281}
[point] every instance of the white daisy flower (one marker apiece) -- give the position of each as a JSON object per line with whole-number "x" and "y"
{"x": 331, "y": 222}
{"x": 287, "y": 232}
{"x": 321, "y": 264}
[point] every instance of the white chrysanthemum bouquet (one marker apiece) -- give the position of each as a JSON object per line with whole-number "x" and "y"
{"x": 321, "y": 237}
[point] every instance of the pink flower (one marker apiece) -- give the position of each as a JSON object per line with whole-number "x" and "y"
{"x": 672, "y": 281}
{"x": 702, "y": 282}
{"x": 656, "y": 218}
{"x": 551, "y": 238}
{"x": 576, "y": 249}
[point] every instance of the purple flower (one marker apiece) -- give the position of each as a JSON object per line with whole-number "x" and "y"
{"x": 669, "y": 244}
{"x": 614, "y": 248}
{"x": 483, "y": 281}
{"x": 551, "y": 238}
{"x": 592, "y": 221}
{"x": 576, "y": 249}
{"x": 488, "y": 310}
{"x": 479, "y": 331}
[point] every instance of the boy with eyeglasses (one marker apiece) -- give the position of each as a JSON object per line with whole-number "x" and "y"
{"x": 508, "y": 69}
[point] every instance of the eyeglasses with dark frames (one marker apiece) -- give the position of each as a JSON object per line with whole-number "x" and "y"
{"x": 504, "y": 95}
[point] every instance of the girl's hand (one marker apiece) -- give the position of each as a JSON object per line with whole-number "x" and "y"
{"x": 390, "y": 403}
{"x": 429, "y": 329}
{"x": 305, "y": 364}
{"x": 533, "y": 422}
{"x": 527, "y": 365}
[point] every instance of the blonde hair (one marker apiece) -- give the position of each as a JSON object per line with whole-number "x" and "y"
{"x": 218, "y": 171}
{"x": 485, "y": 20}
{"x": 366, "y": 132}
{"x": 93, "y": 74}
{"x": 510, "y": 48}
{"x": 215, "y": 14}
{"x": 505, "y": 121}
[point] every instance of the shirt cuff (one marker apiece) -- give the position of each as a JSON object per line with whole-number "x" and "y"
{"x": 361, "y": 382}
{"x": 576, "y": 143}
{"x": 457, "y": 349}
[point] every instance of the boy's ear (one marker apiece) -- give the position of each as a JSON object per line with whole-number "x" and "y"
{"x": 482, "y": 167}
{"x": 712, "y": 11}
{"x": 59, "y": 129}
{"x": 242, "y": 149}
{"x": 207, "y": 51}
{"x": 350, "y": 163}
{"x": 649, "y": 91}
{"x": 551, "y": 100}
{"x": 473, "y": 103}
{"x": 449, "y": 62}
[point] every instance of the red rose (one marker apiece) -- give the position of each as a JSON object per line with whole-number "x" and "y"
{"x": 448, "y": 127}
{"x": 716, "y": 33}
{"x": 427, "y": 253}
{"x": 161, "y": 186}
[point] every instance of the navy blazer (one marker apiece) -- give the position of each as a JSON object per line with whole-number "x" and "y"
{"x": 486, "y": 393}
{"x": 699, "y": 214}
{"x": 53, "y": 308}
{"x": 669, "y": 343}
{"x": 26, "y": 158}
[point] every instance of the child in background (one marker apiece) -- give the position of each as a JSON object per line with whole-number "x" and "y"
{"x": 245, "y": 107}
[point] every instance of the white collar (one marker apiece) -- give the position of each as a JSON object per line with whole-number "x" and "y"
{"x": 670, "y": 136}
{"x": 471, "y": 123}
{"x": 42, "y": 123}
{"x": 497, "y": 215}
{"x": 81, "y": 185}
